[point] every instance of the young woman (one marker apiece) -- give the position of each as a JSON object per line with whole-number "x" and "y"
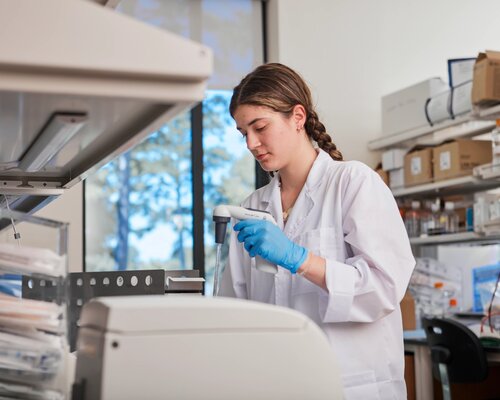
{"x": 342, "y": 247}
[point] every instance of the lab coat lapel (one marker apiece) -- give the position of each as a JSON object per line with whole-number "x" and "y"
{"x": 271, "y": 200}
{"x": 307, "y": 197}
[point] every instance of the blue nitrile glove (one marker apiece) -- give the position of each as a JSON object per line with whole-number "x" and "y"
{"x": 264, "y": 239}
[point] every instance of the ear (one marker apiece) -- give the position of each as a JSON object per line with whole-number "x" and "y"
{"x": 299, "y": 116}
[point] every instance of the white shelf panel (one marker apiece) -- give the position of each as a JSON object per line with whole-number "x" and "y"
{"x": 453, "y": 238}
{"x": 463, "y": 184}
{"x": 471, "y": 124}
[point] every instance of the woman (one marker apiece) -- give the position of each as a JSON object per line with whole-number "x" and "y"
{"x": 342, "y": 247}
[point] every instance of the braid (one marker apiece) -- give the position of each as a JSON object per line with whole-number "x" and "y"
{"x": 317, "y": 131}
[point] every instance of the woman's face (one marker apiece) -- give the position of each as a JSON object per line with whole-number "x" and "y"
{"x": 270, "y": 135}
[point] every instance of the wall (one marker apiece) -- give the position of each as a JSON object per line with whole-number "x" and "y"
{"x": 352, "y": 52}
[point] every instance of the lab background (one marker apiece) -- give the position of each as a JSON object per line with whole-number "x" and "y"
{"x": 351, "y": 53}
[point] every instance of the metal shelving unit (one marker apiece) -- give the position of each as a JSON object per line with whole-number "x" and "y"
{"x": 464, "y": 184}
{"x": 474, "y": 123}
{"x": 484, "y": 177}
{"x": 460, "y": 237}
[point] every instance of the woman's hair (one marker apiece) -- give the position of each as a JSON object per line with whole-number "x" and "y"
{"x": 280, "y": 88}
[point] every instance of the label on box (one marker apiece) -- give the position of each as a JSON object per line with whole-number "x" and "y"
{"x": 416, "y": 165}
{"x": 445, "y": 160}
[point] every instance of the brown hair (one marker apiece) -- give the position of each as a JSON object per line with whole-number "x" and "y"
{"x": 280, "y": 88}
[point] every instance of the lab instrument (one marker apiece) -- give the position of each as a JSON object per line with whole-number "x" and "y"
{"x": 221, "y": 216}
{"x": 195, "y": 347}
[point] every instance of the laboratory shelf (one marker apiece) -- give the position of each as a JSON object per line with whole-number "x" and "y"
{"x": 471, "y": 124}
{"x": 454, "y": 238}
{"x": 464, "y": 184}
{"x": 490, "y": 113}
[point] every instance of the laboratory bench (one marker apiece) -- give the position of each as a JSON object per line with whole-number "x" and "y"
{"x": 422, "y": 386}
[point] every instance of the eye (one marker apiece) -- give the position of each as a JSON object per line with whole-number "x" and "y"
{"x": 261, "y": 128}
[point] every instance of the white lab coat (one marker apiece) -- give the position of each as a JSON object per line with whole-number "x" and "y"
{"x": 347, "y": 215}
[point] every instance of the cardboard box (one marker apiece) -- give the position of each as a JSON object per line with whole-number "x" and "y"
{"x": 486, "y": 80}
{"x": 408, "y": 312}
{"x": 383, "y": 174}
{"x": 418, "y": 166}
{"x": 458, "y": 157}
{"x": 461, "y": 102}
{"x": 437, "y": 108}
{"x": 405, "y": 109}
{"x": 393, "y": 159}
{"x": 397, "y": 178}
{"x": 460, "y": 70}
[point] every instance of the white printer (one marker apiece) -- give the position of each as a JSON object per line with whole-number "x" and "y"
{"x": 192, "y": 347}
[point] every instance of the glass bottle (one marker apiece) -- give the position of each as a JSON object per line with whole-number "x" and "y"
{"x": 449, "y": 218}
{"x": 426, "y": 220}
{"x": 434, "y": 226}
{"x": 412, "y": 219}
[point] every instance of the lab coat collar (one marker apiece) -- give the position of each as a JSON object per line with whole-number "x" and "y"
{"x": 271, "y": 197}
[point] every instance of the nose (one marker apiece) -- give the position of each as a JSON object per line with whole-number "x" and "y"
{"x": 252, "y": 141}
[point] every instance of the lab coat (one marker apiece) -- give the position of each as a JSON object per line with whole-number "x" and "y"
{"x": 346, "y": 214}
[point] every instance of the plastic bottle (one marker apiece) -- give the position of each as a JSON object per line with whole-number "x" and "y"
{"x": 495, "y": 140}
{"x": 412, "y": 219}
{"x": 426, "y": 220}
{"x": 434, "y": 226}
{"x": 449, "y": 218}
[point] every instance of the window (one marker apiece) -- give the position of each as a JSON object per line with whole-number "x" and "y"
{"x": 139, "y": 208}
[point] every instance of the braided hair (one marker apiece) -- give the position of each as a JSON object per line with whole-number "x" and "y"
{"x": 280, "y": 88}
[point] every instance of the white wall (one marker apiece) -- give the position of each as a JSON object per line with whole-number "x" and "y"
{"x": 351, "y": 52}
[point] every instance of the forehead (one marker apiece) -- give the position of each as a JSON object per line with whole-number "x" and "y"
{"x": 246, "y": 113}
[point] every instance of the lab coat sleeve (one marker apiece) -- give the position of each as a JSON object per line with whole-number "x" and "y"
{"x": 372, "y": 281}
{"x": 233, "y": 282}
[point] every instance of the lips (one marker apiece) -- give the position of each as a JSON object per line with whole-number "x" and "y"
{"x": 260, "y": 157}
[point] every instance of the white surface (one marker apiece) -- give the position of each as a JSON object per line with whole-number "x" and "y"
{"x": 397, "y": 178}
{"x": 404, "y": 109}
{"x": 196, "y": 347}
{"x": 393, "y": 159}
{"x": 438, "y": 107}
{"x": 460, "y": 71}
{"x": 461, "y": 100}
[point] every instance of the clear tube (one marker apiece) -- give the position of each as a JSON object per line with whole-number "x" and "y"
{"x": 215, "y": 291}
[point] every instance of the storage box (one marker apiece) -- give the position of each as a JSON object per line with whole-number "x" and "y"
{"x": 460, "y": 70}
{"x": 437, "y": 108}
{"x": 393, "y": 159}
{"x": 458, "y": 157}
{"x": 486, "y": 80}
{"x": 405, "y": 109}
{"x": 408, "y": 312}
{"x": 461, "y": 99}
{"x": 397, "y": 178}
{"x": 418, "y": 166}
{"x": 383, "y": 174}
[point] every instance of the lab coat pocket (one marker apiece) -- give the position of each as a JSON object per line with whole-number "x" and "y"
{"x": 322, "y": 242}
{"x": 361, "y": 385}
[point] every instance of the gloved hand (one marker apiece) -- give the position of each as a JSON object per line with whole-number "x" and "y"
{"x": 264, "y": 239}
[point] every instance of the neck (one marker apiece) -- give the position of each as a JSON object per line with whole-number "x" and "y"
{"x": 294, "y": 175}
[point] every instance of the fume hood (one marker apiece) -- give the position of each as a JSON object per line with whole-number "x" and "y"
{"x": 79, "y": 85}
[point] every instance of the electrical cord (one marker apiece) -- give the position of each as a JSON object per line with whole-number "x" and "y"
{"x": 17, "y": 235}
{"x": 490, "y": 307}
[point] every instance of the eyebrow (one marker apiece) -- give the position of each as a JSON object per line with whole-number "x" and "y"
{"x": 253, "y": 121}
